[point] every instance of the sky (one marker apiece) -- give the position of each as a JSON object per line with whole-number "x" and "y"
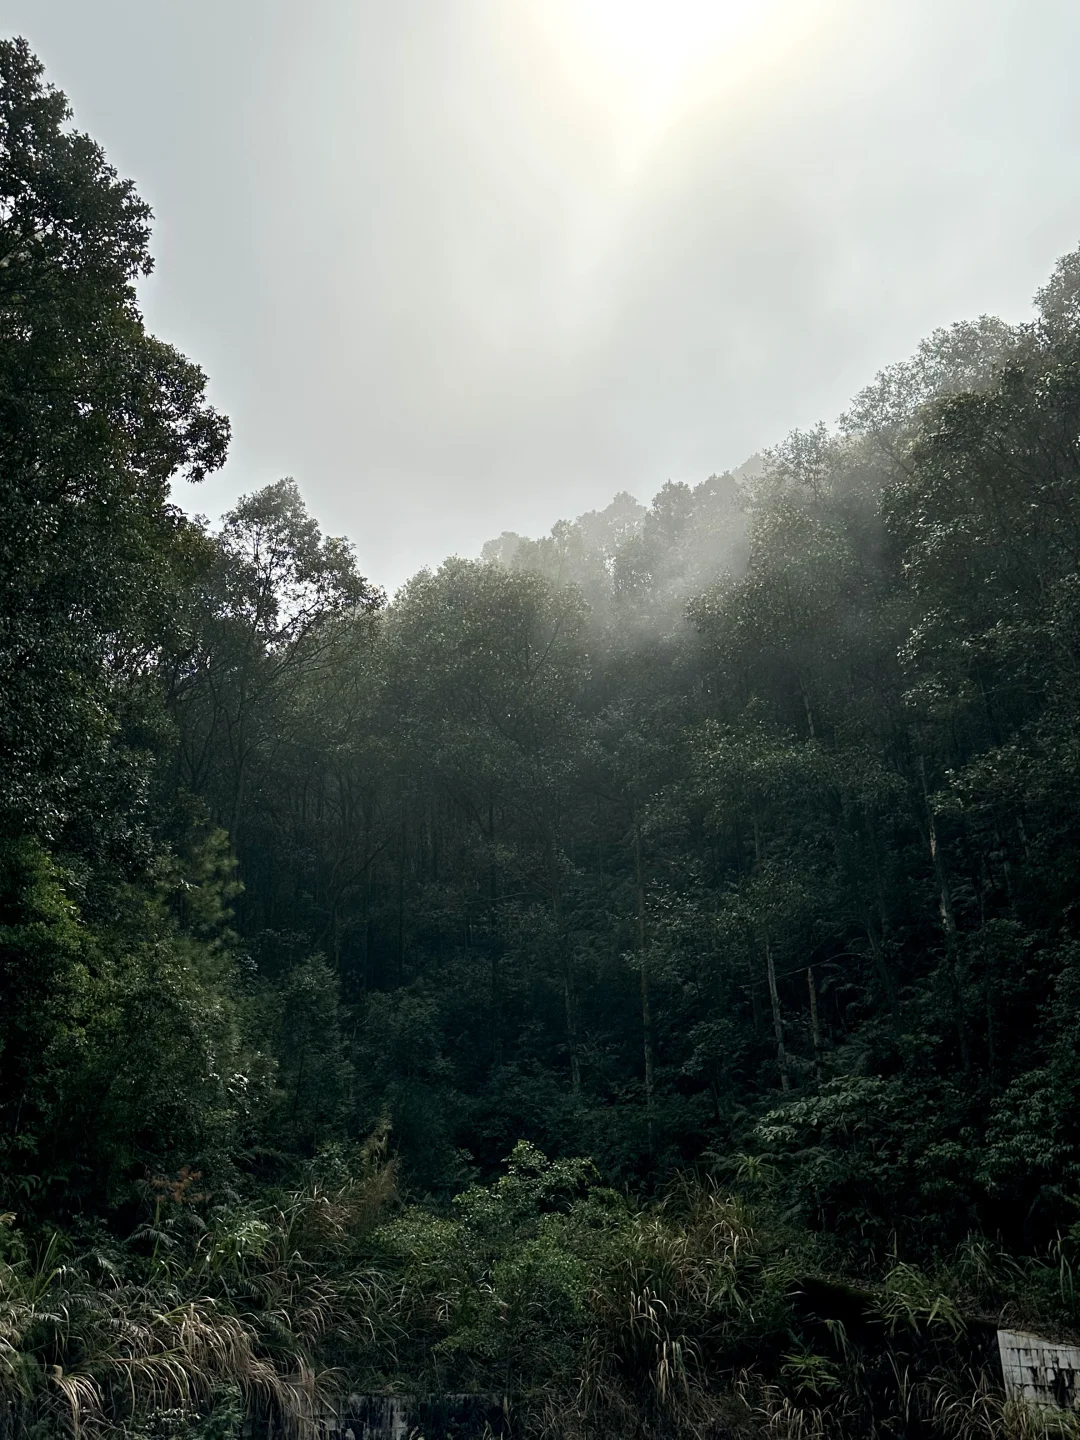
{"x": 466, "y": 266}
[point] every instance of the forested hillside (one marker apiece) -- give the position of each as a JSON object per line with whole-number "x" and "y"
{"x": 637, "y": 972}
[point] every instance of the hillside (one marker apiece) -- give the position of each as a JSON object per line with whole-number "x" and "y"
{"x": 635, "y": 972}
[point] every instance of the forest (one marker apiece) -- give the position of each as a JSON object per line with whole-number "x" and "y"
{"x": 635, "y": 973}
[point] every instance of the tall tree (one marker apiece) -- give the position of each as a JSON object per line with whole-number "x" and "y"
{"x": 96, "y": 418}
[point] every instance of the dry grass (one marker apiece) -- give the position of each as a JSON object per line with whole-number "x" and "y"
{"x": 245, "y": 1303}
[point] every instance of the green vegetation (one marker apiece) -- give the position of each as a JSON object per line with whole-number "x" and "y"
{"x": 731, "y": 842}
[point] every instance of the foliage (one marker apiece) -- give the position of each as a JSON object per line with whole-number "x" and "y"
{"x": 730, "y": 841}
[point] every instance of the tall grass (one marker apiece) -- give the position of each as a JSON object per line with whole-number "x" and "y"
{"x": 687, "y": 1319}
{"x": 242, "y": 1301}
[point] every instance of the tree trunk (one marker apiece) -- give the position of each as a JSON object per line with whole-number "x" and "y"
{"x": 401, "y": 905}
{"x": 948, "y": 921}
{"x": 945, "y": 905}
{"x": 770, "y": 970}
{"x": 878, "y": 941}
{"x": 570, "y": 996}
{"x": 496, "y": 943}
{"x": 777, "y": 1019}
{"x": 643, "y": 962}
{"x": 569, "y": 988}
{"x": 815, "y": 1029}
{"x": 878, "y": 955}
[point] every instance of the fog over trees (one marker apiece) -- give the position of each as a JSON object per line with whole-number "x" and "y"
{"x": 635, "y": 972}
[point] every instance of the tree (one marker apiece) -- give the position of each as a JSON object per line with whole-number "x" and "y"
{"x": 260, "y": 624}
{"x": 96, "y": 417}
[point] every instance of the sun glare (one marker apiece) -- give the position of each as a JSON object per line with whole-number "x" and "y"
{"x": 645, "y": 62}
{"x": 655, "y": 42}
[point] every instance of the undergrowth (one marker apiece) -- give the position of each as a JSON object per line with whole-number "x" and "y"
{"x": 698, "y": 1315}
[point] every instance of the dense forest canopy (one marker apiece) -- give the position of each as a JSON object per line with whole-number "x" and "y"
{"x": 730, "y": 842}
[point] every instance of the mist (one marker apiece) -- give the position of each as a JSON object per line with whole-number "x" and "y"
{"x": 540, "y": 898}
{"x": 456, "y": 278}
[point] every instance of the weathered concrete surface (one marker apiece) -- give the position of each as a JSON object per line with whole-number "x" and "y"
{"x": 408, "y": 1417}
{"x": 1038, "y": 1371}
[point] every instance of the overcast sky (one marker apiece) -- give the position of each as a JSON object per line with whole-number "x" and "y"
{"x": 462, "y": 266}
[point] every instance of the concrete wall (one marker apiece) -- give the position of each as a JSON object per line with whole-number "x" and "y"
{"x": 407, "y": 1417}
{"x": 1038, "y": 1371}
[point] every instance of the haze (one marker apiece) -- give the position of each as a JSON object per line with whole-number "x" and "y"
{"x": 464, "y": 266}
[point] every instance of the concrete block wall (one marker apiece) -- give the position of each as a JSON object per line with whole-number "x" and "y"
{"x": 1039, "y": 1371}
{"x": 408, "y": 1417}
